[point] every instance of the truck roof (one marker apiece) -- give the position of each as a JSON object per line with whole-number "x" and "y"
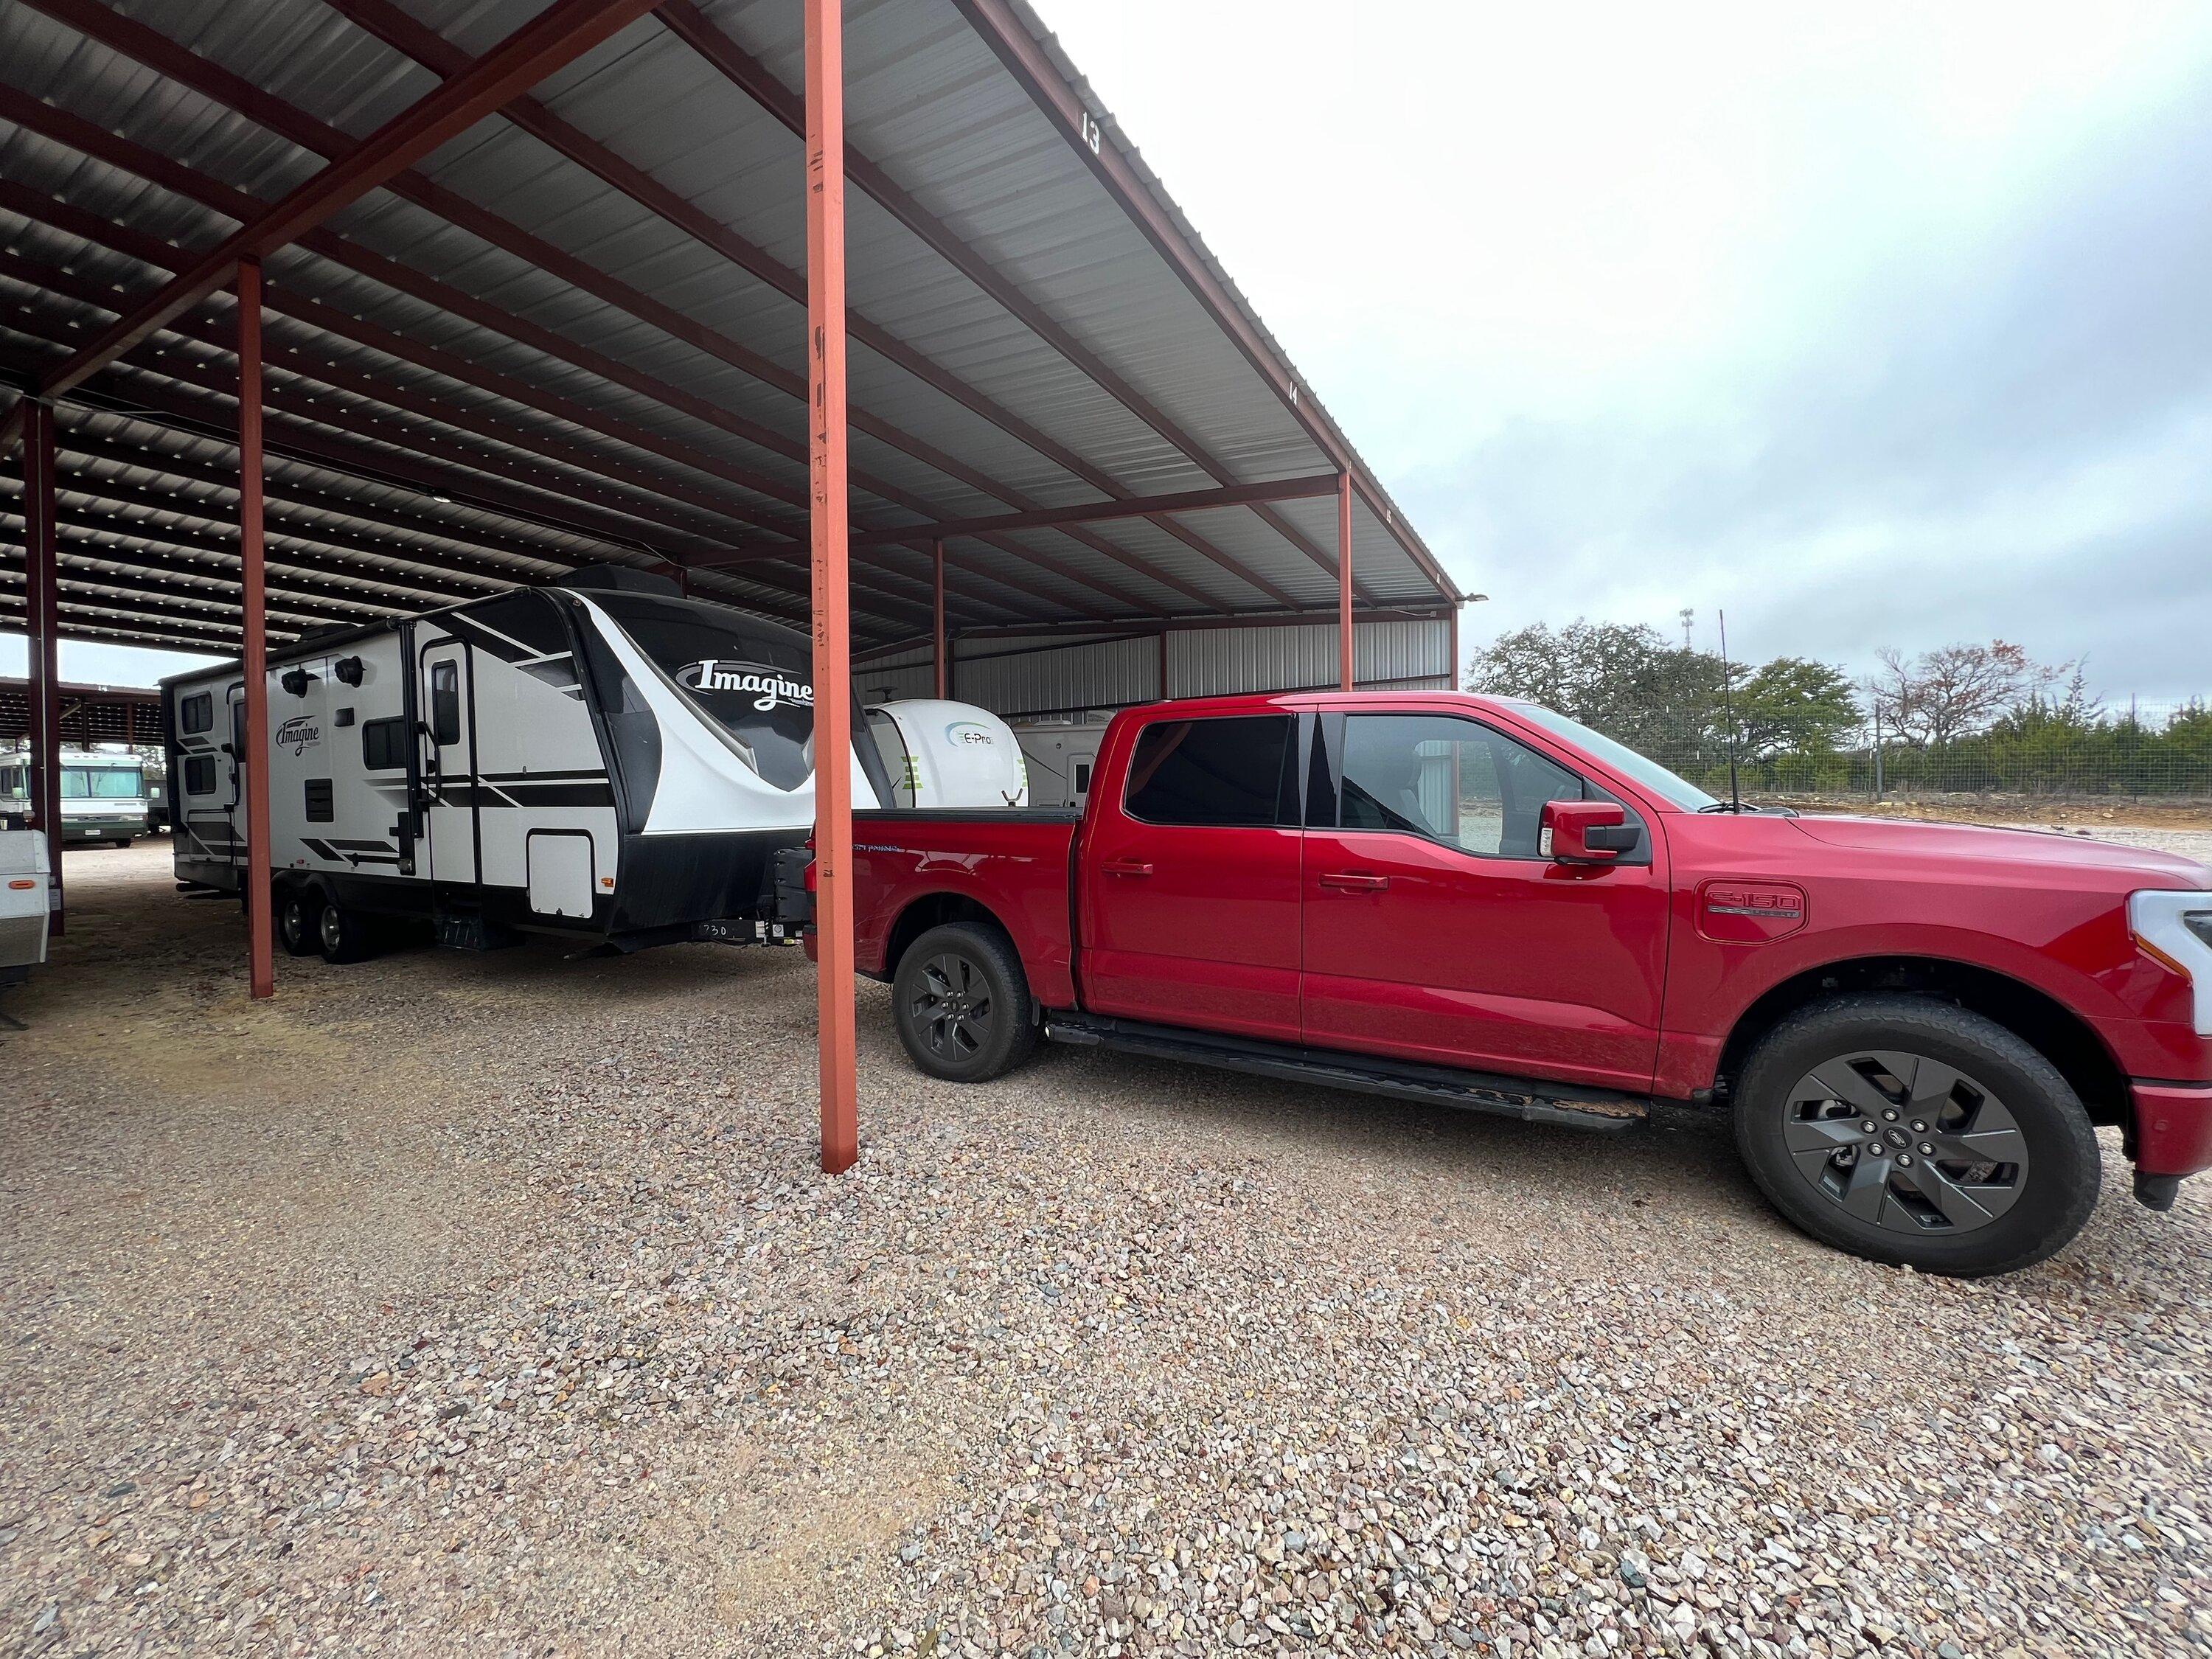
{"x": 1262, "y": 703}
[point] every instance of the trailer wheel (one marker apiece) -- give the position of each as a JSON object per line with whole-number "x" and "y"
{"x": 341, "y": 934}
{"x": 1913, "y": 1132}
{"x": 962, "y": 1003}
{"x": 299, "y": 911}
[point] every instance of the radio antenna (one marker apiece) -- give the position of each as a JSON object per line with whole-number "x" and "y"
{"x": 1728, "y": 705}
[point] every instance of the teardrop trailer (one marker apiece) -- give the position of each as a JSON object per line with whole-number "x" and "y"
{"x": 601, "y": 759}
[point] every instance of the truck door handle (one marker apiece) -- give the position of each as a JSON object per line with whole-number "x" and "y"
{"x": 1353, "y": 881}
{"x": 1126, "y": 867}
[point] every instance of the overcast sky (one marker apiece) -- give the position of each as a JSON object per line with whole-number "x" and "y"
{"x": 1874, "y": 323}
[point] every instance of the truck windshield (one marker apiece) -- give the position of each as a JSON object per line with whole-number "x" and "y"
{"x": 100, "y": 783}
{"x": 754, "y": 680}
{"x": 1638, "y": 768}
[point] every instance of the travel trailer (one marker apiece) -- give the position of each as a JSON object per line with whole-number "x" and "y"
{"x": 947, "y": 754}
{"x": 103, "y": 796}
{"x": 600, "y": 758}
{"x": 26, "y": 901}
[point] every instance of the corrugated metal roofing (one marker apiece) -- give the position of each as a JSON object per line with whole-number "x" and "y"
{"x": 574, "y": 332}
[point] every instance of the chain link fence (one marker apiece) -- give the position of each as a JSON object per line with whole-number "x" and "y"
{"x": 2147, "y": 751}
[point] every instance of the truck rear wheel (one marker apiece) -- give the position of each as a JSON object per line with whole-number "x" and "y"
{"x": 962, "y": 1003}
{"x": 1913, "y": 1132}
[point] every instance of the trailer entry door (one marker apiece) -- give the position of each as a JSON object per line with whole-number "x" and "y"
{"x": 450, "y": 789}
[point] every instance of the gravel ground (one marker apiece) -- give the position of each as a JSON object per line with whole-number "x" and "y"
{"x": 492, "y": 1304}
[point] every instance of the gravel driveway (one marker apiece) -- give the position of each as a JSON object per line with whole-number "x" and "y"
{"x": 489, "y": 1305}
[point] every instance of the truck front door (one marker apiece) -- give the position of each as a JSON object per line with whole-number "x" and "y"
{"x": 449, "y": 781}
{"x": 1438, "y": 928}
{"x": 1190, "y": 897}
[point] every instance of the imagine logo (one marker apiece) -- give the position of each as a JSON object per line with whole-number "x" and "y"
{"x": 299, "y": 734}
{"x": 768, "y": 686}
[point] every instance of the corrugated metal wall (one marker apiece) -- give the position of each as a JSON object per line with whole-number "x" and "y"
{"x": 1041, "y": 676}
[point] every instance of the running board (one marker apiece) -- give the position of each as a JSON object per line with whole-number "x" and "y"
{"x": 1526, "y": 1098}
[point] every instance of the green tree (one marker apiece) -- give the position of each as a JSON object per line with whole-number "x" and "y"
{"x": 1793, "y": 706}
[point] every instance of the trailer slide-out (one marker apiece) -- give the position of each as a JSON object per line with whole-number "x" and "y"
{"x": 601, "y": 758}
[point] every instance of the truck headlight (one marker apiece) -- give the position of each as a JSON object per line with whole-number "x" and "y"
{"x": 2177, "y": 929}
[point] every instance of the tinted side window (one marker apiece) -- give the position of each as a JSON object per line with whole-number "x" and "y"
{"x": 384, "y": 745}
{"x": 1450, "y": 781}
{"x": 445, "y": 703}
{"x": 1226, "y": 772}
{"x": 199, "y": 775}
{"x": 197, "y": 712}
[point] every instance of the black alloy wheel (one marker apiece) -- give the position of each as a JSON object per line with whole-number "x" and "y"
{"x": 962, "y": 1003}
{"x": 1912, "y": 1131}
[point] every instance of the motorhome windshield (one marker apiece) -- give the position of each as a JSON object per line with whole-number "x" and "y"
{"x": 102, "y": 783}
{"x": 754, "y": 682}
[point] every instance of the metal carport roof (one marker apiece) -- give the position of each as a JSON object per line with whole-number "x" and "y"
{"x": 575, "y": 331}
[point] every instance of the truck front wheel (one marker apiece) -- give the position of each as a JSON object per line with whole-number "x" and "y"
{"x": 1913, "y": 1132}
{"x": 962, "y": 1003}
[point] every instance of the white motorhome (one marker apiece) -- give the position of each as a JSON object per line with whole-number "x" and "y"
{"x": 601, "y": 758}
{"x": 1059, "y": 753}
{"x": 103, "y": 796}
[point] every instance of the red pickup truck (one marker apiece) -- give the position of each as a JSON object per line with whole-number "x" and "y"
{"x": 1916, "y": 1027}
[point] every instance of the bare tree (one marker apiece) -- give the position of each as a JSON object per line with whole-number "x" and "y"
{"x": 1956, "y": 690}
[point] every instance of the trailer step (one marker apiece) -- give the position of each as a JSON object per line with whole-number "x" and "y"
{"x": 1526, "y": 1098}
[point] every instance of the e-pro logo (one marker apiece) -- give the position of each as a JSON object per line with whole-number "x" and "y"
{"x": 767, "y": 686}
{"x": 298, "y": 734}
{"x": 969, "y": 733}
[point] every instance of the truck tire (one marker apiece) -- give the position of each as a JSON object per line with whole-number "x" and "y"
{"x": 299, "y": 912}
{"x": 1912, "y": 1132}
{"x": 962, "y": 1003}
{"x": 341, "y": 934}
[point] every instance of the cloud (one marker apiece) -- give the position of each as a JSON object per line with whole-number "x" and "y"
{"x": 1878, "y": 324}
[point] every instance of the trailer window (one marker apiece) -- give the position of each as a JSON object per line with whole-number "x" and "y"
{"x": 197, "y": 713}
{"x": 1221, "y": 772}
{"x": 384, "y": 744}
{"x": 199, "y": 775}
{"x": 445, "y": 703}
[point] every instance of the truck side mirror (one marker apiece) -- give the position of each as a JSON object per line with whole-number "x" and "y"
{"x": 1586, "y": 831}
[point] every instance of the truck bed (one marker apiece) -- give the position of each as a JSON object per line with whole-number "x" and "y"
{"x": 1015, "y": 861}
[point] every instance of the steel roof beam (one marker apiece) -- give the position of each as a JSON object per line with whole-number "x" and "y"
{"x": 165, "y": 636}
{"x": 1141, "y": 506}
{"x": 184, "y": 578}
{"x": 1026, "y": 59}
{"x": 555, "y": 37}
{"x": 170, "y": 609}
{"x": 116, "y": 152}
{"x": 750, "y": 76}
{"x": 464, "y": 541}
{"x": 396, "y": 591}
{"x": 435, "y": 52}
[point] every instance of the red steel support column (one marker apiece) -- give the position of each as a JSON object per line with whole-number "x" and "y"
{"x": 1453, "y": 647}
{"x": 44, "y": 617}
{"x": 1343, "y": 579}
{"x": 831, "y": 512}
{"x": 944, "y": 646}
{"x": 253, "y": 650}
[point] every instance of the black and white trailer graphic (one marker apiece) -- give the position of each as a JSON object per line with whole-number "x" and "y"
{"x": 601, "y": 758}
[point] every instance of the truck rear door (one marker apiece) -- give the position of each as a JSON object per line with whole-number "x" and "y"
{"x": 1189, "y": 877}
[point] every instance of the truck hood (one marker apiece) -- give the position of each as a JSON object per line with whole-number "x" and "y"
{"x": 2046, "y": 848}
